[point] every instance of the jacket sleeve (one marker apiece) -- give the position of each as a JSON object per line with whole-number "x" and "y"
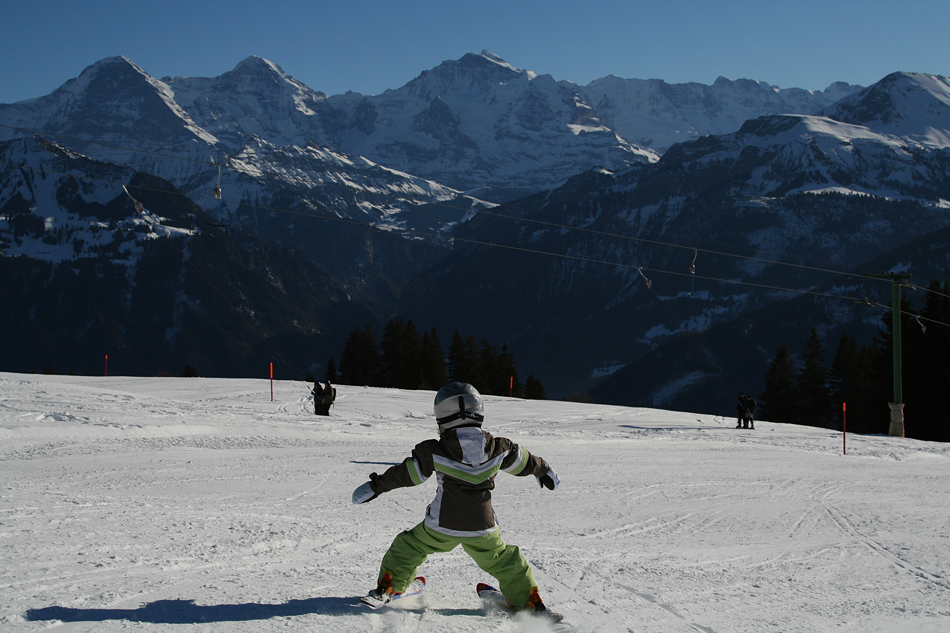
{"x": 521, "y": 463}
{"x": 414, "y": 470}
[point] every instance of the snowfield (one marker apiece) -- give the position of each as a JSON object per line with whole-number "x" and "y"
{"x": 174, "y": 504}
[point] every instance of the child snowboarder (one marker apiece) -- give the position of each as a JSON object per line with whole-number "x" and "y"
{"x": 465, "y": 460}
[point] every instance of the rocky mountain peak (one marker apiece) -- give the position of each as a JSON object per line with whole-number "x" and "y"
{"x": 914, "y": 105}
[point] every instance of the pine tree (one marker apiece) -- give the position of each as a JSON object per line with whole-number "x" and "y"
{"x": 533, "y": 389}
{"x": 926, "y": 365}
{"x": 777, "y": 402}
{"x": 400, "y": 355}
{"x": 332, "y": 376}
{"x": 851, "y": 384}
{"x": 432, "y": 362}
{"x": 815, "y": 408}
{"x": 508, "y": 373}
{"x": 491, "y": 381}
{"x": 463, "y": 360}
{"x": 359, "y": 364}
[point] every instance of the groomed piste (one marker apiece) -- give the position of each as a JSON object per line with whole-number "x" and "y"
{"x": 151, "y": 503}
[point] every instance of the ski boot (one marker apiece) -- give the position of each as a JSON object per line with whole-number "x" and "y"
{"x": 383, "y": 592}
{"x": 534, "y": 601}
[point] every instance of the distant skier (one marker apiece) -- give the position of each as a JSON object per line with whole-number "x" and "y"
{"x": 750, "y": 411}
{"x": 318, "y": 393}
{"x": 329, "y": 397}
{"x": 745, "y": 407}
{"x": 323, "y": 397}
{"x": 465, "y": 460}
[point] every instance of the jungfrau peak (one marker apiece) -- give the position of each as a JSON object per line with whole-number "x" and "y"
{"x": 502, "y": 131}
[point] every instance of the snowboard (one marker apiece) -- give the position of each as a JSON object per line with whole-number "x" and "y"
{"x": 496, "y": 598}
{"x": 415, "y": 588}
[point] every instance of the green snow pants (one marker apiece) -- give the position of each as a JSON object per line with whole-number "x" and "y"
{"x": 504, "y": 562}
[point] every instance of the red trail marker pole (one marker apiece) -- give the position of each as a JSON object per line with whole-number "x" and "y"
{"x": 272, "y": 382}
{"x": 107, "y": 365}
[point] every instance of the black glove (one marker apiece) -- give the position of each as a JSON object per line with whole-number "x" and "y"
{"x": 549, "y": 480}
{"x": 366, "y": 492}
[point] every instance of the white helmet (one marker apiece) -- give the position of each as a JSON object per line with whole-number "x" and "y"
{"x": 458, "y": 404}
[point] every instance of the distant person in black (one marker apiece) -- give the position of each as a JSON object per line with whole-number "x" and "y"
{"x": 745, "y": 407}
{"x": 323, "y": 397}
{"x": 318, "y": 392}
{"x": 329, "y": 396}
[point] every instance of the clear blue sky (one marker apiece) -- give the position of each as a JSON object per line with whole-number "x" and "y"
{"x": 371, "y": 45}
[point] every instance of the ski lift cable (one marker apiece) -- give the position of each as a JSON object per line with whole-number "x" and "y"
{"x": 692, "y": 340}
{"x": 419, "y": 233}
{"x": 486, "y": 212}
{"x": 912, "y": 315}
{"x": 344, "y": 186}
{"x": 480, "y": 242}
{"x": 928, "y": 320}
{"x": 483, "y": 212}
{"x": 907, "y": 284}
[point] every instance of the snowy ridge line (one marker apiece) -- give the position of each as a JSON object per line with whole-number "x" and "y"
{"x": 103, "y": 144}
{"x": 252, "y": 171}
{"x": 335, "y": 218}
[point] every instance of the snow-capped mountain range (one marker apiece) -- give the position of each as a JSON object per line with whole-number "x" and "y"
{"x": 827, "y": 178}
{"x": 476, "y": 124}
{"x": 398, "y": 160}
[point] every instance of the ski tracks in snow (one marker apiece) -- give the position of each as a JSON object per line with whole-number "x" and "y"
{"x": 937, "y": 580}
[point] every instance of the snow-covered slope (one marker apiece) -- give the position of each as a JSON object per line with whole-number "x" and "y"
{"x": 202, "y": 503}
{"x": 59, "y": 206}
{"x": 787, "y": 154}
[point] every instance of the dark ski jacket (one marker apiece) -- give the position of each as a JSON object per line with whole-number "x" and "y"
{"x": 465, "y": 461}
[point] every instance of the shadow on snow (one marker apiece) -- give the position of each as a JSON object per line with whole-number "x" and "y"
{"x": 187, "y": 612}
{"x": 181, "y": 611}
